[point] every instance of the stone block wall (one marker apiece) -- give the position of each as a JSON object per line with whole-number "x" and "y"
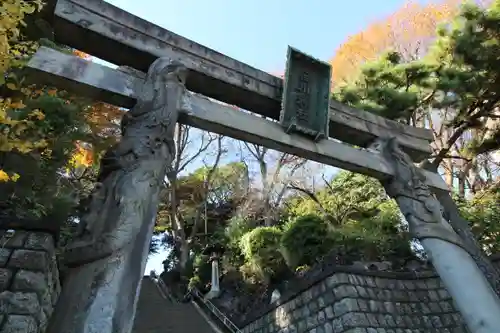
{"x": 337, "y": 299}
{"x": 29, "y": 280}
{"x": 353, "y": 302}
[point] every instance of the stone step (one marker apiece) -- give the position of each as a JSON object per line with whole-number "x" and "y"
{"x": 158, "y": 315}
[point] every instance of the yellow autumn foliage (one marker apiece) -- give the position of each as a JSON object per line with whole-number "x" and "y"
{"x": 11, "y": 137}
{"x": 5, "y": 177}
{"x": 82, "y": 156}
{"x": 12, "y": 52}
{"x": 20, "y": 135}
{"x": 12, "y": 13}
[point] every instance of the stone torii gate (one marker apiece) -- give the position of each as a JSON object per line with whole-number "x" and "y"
{"x": 106, "y": 265}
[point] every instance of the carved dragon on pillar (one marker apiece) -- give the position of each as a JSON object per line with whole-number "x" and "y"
{"x": 107, "y": 260}
{"x": 133, "y": 169}
{"x": 423, "y": 210}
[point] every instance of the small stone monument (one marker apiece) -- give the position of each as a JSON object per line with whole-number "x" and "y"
{"x": 215, "y": 252}
{"x": 275, "y": 296}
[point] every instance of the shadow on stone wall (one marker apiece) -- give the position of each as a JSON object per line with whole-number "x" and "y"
{"x": 347, "y": 299}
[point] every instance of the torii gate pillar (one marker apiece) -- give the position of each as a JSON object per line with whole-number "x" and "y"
{"x": 102, "y": 286}
{"x": 449, "y": 254}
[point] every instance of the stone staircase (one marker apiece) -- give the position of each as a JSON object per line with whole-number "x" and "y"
{"x": 156, "y": 314}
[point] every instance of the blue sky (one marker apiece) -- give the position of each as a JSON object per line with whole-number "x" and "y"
{"x": 258, "y": 32}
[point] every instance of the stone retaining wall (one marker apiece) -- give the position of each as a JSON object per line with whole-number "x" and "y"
{"x": 364, "y": 302}
{"x": 29, "y": 280}
{"x": 344, "y": 302}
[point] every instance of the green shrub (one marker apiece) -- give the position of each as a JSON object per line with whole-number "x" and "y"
{"x": 202, "y": 267}
{"x": 261, "y": 250}
{"x": 356, "y": 243}
{"x": 198, "y": 271}
{"x": 233, "y": 233}
{"x": 237, "y": 227}
{"x": 483, "y": 214}
{"x": 306, "y": 240}
{"x": 195, "y": 282}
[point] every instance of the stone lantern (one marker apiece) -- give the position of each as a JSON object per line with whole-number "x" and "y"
{"x": 215, "y": 252}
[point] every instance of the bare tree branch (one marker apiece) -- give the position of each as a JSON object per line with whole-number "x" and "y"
{"x": 314, "y": 198}
{"x": 208, "y": 180}
{"x": 204, "y": 145}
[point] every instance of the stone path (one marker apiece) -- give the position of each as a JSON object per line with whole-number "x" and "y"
{"x": 158, "y": 315}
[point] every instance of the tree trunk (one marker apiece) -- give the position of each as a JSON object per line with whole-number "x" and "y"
{"x": 266, "y": 204}
{"x": 107, "y": 262}
{"x": 448, "y": 173}
{"x": 184, "y": 255}
{"x": 461, "y": 184}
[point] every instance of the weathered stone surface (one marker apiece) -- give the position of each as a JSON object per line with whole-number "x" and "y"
{"x": 363, "y": 303}
{"x": 20, "y": 324}
{"x": 53, "y": 279}
{"x": 4, "y": 256}
{"x": 107, "y": 261}
{"x": 29, "y": 282}
{"x": 17, "y": 240}
{"x": 40, "y": 241}
{"x": 386, "y": 302}
{"x": 29, "y": 259}
{"x": 5, "y": 277}
{"x": 19, "y": 303}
